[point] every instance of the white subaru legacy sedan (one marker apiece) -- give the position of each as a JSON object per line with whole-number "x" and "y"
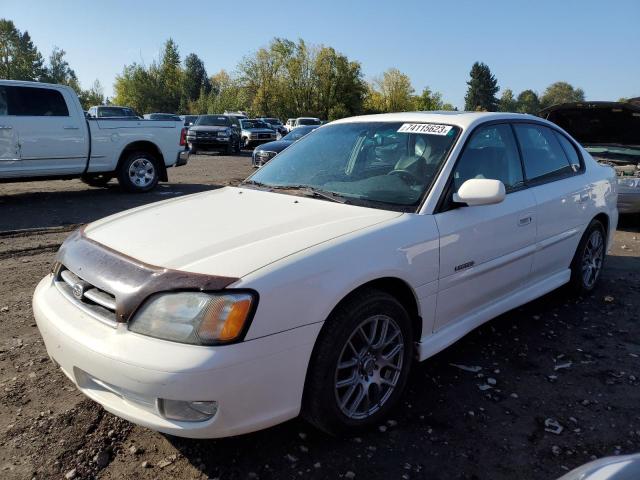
{"x": 312, "y": 288}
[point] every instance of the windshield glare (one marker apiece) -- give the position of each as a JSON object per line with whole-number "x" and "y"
{"x": 364, "y": 162}
{"x": 212, "y": 121}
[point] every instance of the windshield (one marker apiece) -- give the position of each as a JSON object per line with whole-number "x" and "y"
{"x": 298, "y": 133}
{"x": 382, "y": 164}
{"x": 212, "y": 121}
{"x": 308, "y": 121}
{"x": 253, "y": 124}
{"x": 272, "y": 121}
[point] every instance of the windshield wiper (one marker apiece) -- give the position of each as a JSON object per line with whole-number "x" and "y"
{"x": 311, "y": 192}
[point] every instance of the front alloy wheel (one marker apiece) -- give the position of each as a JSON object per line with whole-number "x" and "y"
{"x": 360, "y": 363}
{"x": 369, "y": 367}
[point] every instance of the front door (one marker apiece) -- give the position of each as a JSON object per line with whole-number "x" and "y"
{"x": 486, "y": 252}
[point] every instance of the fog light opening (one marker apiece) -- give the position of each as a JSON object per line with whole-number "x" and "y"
{"x": 187, "y": 411}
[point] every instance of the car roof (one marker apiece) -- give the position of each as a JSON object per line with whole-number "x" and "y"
{"x": 460, "y": 119}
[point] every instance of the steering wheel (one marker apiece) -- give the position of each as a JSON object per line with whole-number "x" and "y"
{"x": 406, "y": 176}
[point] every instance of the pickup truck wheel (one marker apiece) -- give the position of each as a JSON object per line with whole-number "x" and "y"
{"x": 228, "y": 149}
{"x": 193, "y": 150}
{"x": 236, "y": 146}
{"x": 588, "y": 260}
{"x": 97, "y": 180}
{"x": 360, "y": 363}
{"x": 138, "y": 172}
{"x": 245, "y": 143}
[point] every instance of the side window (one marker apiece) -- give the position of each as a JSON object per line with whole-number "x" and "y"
{"x": 542, "y": 154}
{"x": 490, "y": 153}
{"x": 36, "y": 102}
{"x": 570, "y": 151}
{"x": 3, "y": 102}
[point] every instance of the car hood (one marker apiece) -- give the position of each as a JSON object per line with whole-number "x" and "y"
{"x": 593, "y": 123}
{"x": 207, "y": 128}
{"x": 229, "y": 231}
{"x": 276, "y": 146}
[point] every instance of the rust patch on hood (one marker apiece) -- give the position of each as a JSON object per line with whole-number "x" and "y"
{"x": 128, "y": 279}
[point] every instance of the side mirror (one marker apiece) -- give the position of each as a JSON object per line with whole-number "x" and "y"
{"x": 480, "y": 191}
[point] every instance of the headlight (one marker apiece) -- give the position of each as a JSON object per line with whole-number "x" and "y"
{"x": 195, "y": 317}
{"x": 632, "y": 182}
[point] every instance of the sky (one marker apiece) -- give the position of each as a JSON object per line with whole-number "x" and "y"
{"x": 593, "y": 45}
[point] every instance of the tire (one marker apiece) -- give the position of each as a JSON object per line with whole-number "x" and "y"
{"x": 97, "y": 180}
{"x": 193, "y": 150}
{"x": 334, "y": 408}
{"x": 236, "y": 147}
{"x": 138, "y": 172}
{"x": 228, "y": 149}
{"x": 588, "y": 260}
{"x": 245, "y": 143}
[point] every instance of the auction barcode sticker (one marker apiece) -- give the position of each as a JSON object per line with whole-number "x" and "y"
{"x": 425, "y": 128}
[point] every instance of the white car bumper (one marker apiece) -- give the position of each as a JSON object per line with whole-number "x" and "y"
{"x": 257, "y": 383}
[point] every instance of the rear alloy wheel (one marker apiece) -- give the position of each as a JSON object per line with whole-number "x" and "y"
{"x": 589, "y": 259}
{"x": 360, "y": 363}
{"x": 138, "y": 172}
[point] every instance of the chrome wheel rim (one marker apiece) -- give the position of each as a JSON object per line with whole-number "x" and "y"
{"x": 369, "y": 367}
{"x": 592, "y": 258}
{"x": 142, "y": 172}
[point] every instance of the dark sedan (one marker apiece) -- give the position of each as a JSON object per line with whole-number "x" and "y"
{"x": 267, "y": 151}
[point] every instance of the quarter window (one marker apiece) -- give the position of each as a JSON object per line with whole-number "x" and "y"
{"x": 570, "y": 151}
{"x": 543, "y": 157}
{"x": 35, "y": 102}
{"x": 491, "y": 153}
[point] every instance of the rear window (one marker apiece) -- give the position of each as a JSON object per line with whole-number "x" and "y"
{"x": 33, "y": 102}
{"x": 107, "y": 112}
{"x": 308, "y": 121}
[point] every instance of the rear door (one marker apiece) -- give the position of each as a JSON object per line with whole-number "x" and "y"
{"x": 52, "y": 136}
{"x": 553, "y": 171}
{"x": 486, "y": 252}
{"x": 9, "y": 152}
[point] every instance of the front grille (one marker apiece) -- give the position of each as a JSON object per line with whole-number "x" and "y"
{"x": 264, "y": 135}
{"x": 96, "y": 302}
{"x": 263, "y": 156}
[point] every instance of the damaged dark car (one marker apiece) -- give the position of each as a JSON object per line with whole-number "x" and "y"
{"x": 610, "y": 132}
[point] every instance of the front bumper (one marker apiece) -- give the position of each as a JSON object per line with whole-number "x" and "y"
{"x": 257, "y": 383}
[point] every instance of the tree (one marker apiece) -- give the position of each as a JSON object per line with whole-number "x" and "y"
{"x": 429, "y": 100}
{"x": 561, "y": 92}
{"x": 169, "y": 73}
{"x": 395, "y": 90}
{"x": 138, "y": 88}
{"x": 93, "y": 96}
{"x": 59, "y": 71}
{"x": 483, "y": 86}
{"x": 195, "y": 81}
{"x": 528, "y": 102}
{"x": 19, "y": 57}
{"x": 508, "y": 103}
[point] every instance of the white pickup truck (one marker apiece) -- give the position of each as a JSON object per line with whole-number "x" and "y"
{"x": 44, "y": 134}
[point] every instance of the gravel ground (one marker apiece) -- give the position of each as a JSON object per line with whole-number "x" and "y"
{"x": 563, "y": 373}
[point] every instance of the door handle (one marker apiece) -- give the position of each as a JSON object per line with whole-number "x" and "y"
{"x": 6, "y": 127}
{"x": 70, "y": 127}
{"x": 525, "y": 221}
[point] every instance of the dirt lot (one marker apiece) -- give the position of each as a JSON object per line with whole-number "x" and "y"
{"x": 571, "y": 360}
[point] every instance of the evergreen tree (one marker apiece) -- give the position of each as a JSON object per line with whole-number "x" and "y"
{"x": 483, "y": 86}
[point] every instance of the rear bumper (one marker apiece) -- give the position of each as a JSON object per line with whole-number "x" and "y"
{"x": 257, "y": 383}
{"x": 183, "y": 158}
